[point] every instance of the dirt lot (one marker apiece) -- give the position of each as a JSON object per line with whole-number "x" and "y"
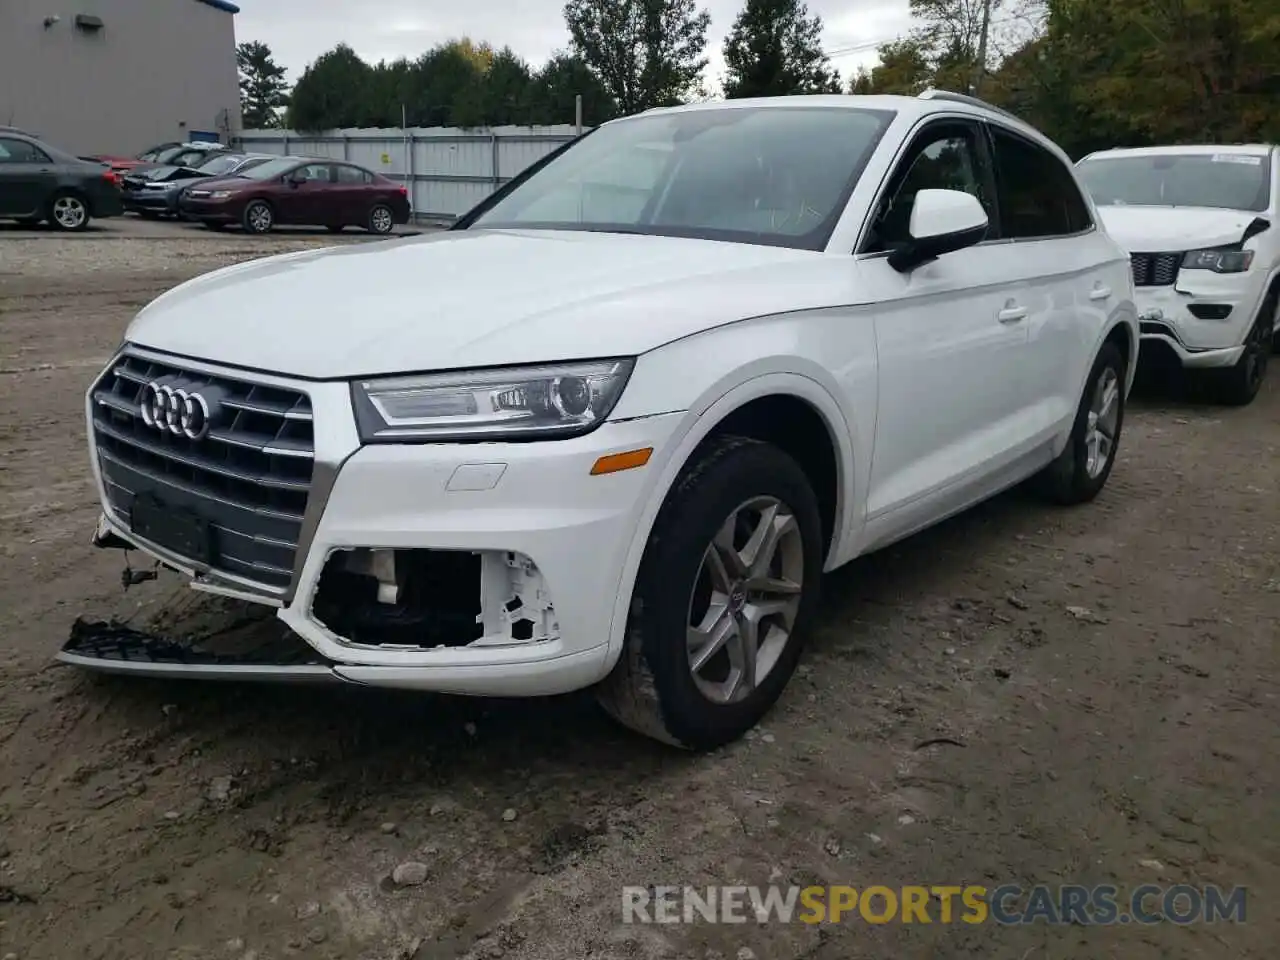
{"x": 1137, "y": 743}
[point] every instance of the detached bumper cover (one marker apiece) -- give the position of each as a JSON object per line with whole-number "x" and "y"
{"x": 116, "y": 648}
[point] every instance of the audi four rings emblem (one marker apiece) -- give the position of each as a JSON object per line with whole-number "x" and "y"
{"x": 174, "y": 410}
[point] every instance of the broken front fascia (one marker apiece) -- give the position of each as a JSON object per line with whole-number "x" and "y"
{"x": 429, "y": 599}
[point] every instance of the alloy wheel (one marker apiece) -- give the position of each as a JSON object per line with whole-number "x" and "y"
{"x": 380, "y": 220}
{"x": 745, "y": 600}
{"x": 259, "y": 217}
{"x": 70, "y": 212}
{"x": 1104, "y": 416}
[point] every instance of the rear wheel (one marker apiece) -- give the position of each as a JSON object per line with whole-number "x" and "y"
{"x": 1081, "y": 470}
{"x": 725, "y": 593}
{"x": 68, "y": 211}
{"x": 381, "y": 220}
{"x": 258, "y": 217}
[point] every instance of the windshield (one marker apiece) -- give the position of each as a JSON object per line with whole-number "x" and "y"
{"x": 1230, "y": 181}
{"x": 771, "y": 175}
{"x": 167, "y": 156}
{"x": 270, "y": 169}
{"x": 218, "y": 164}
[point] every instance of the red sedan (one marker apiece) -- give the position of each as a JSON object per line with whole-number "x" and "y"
{"x": 296, "y": 190}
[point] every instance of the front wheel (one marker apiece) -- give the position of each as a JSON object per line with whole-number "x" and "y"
{"x": 258, "y": 217}
{"x": 1081, "y": 470}
{"x": 1240, "y": 383}
{"x": 724, "y": 596}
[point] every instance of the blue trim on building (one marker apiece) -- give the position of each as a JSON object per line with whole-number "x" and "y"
{"x": 221, "y": 5}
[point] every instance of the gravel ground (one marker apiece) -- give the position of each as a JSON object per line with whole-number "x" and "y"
{"x": 1105, "y": 679}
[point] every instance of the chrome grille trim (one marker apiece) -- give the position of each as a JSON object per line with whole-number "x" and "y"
{"x": 250, "y": 477}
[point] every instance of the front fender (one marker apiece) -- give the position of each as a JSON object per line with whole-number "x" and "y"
{"x": 701, "y": 419}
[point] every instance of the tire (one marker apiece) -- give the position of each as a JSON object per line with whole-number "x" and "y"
{"x": 68, "y": 212}
{"x": 654, "y": 688}
{"x": 258, "y": 217}
{"x": 1240, "y": 383}
{"x": 1076, "y": 476}
{"x": 381, "y": 220}
{"x": 334, "y": 227}
{"x": 148, "y": 215}
{"x": 214, "y": 225}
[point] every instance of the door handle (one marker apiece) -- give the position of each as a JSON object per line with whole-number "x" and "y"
{"x": 1099, "y": 293}
{"x": 1012, "y": 314}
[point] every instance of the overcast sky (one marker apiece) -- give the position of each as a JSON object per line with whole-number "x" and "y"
{"x": 299, "y": 30}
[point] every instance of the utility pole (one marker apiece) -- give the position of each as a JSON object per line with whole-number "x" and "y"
{"x": 980, "y": 68}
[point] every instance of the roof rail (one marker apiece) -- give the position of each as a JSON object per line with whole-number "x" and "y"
{"x": 933, "y": 94}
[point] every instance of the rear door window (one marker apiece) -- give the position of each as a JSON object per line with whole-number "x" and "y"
{"x": 1038, "y": 195}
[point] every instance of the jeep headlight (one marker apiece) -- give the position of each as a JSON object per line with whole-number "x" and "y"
{"x": 552, "y": 400}
{"x": 1219, "y": 261}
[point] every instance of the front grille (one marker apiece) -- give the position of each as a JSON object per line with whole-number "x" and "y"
{"x": 1155, "y": 269}
{"x": 248, "y": 477}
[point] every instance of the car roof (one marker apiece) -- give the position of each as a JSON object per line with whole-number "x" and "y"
{"x": 1243, "y": 149}
{"x": 931, "y": 101}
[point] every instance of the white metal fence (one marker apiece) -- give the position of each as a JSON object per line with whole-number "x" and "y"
{"x": 448, "y": 170}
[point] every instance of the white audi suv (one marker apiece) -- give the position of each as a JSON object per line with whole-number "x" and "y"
{"x": 610, "y": 430}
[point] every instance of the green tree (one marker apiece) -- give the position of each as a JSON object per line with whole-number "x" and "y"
{"x": 774, "y": 49}
{"x": 447, "y": 88}
{"x": 263, "y": 88}
{"x": 646, "y": 53}
{"x": 554, "y": 90}
{"x": 333, "y": 92}
{"x": 507, "y": 90}
{"x": 904, "y": 68}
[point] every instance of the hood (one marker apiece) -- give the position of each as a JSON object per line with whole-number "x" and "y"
{"x": 458, "y": 299}
{"x": 149, "y": 174}
{"x": 148, "y": 171}
{"x": 1142, "y": 229}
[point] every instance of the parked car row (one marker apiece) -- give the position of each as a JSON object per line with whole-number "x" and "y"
{"x": 666, "y": 378}
{"x": 258, "y": 193}
{"x": 207, "y": 183}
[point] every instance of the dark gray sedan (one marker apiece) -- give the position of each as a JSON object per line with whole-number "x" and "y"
{"x": 39, "y": 182}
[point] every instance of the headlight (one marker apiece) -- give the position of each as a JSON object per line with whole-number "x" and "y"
{"x": 509, "y": 403}
{"x": 1219, "y": 261}
{"x": 219, "y": 194}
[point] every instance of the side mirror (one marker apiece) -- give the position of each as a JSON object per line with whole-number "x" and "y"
{"x": 942, "y": 221}
{"x": 296, "y": 180}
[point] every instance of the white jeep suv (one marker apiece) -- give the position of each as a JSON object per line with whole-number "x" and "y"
{"x": 611, "y": 429}
{"x": 1199, "y": 222}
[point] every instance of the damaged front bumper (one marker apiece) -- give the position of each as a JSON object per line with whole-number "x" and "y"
{"x": 488, "y": 569}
